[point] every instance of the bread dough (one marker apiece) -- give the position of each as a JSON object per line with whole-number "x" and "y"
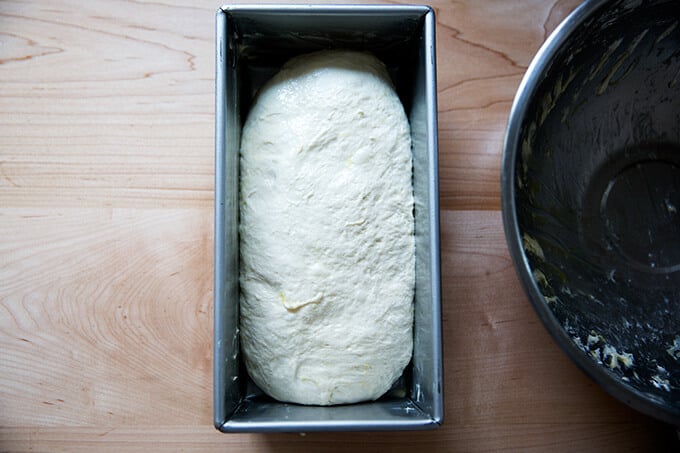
{"x": 326, "y": 232}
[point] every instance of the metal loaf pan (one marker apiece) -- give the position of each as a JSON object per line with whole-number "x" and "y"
{"x": 253, "y": 41}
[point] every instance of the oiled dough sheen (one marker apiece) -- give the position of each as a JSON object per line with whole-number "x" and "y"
{"x": 326, "y": 228}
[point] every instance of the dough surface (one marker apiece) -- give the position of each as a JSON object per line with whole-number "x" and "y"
{"x": 326, "y": 232}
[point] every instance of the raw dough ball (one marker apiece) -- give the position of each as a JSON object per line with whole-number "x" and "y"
{"x": 327, "y": 239}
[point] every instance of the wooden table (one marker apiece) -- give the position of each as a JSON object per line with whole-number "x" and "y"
{"x": 106, "y": 242}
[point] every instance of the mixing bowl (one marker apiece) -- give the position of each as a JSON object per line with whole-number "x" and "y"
{"x": 591, "y": 196}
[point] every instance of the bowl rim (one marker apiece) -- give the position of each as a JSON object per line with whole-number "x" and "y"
{"x": 643, "y": 402}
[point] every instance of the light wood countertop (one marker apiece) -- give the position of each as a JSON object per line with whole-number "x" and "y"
{"x": 106, "y": 242}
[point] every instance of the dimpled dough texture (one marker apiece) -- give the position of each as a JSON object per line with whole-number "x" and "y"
{"x": 326, "y": 227}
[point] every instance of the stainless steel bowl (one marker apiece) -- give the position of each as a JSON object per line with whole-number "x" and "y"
{"x": 591, "y": 196}
{"x": 253, "y": 41}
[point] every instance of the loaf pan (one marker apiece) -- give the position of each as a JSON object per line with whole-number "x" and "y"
{"x": 252, "y": 42}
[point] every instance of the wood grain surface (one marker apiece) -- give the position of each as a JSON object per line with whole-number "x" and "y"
{"x": 106, "y": 242}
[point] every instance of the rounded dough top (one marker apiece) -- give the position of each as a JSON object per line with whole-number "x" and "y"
{"x": 326, "y": 232}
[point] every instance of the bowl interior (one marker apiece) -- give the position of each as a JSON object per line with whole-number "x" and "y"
{"x": 597, "y": 194}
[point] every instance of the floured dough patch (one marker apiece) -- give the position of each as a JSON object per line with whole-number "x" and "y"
{"x": 326, "y": 232}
